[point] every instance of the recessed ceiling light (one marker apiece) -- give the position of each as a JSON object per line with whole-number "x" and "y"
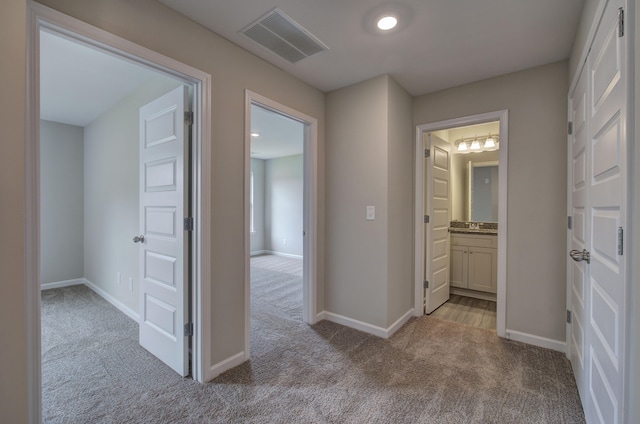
{"x": 387, "y": 22}
{"x": 255, "y": 134}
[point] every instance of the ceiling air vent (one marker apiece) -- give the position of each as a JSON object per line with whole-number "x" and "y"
{"x": 283, "y": 36}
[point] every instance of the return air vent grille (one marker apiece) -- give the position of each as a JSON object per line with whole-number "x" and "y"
{"x": 283, "y": 36}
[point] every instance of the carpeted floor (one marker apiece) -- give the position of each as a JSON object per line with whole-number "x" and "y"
{"x": 431, "y": 371}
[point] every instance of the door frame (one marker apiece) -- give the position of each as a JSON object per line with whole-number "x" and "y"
{"x": 39, "y": 18}
{"x": 310, "y": 207}
{"x": 420, "y": 203}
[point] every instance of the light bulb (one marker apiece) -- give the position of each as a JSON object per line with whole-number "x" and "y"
{"x": 489, "y": 143}
{"x": 387, "y": 22}
{"x": 475, "y": 145}
{"x": 462, "y": 147}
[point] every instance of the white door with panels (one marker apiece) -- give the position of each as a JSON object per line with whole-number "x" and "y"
{"x": 598, "y": 184}
{"x": 164, "y": 260}
{"x": 438, "y": 195}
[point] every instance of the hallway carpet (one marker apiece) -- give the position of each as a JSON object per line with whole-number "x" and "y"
{"x": 431, "y": 371}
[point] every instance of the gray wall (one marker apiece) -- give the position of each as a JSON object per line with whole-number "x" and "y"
{"x": 61, "y": 202}
{"x": 111, "y": 194}
{"x": 14, "y": 356}
{"x": 257, "y": 237}
{"x": 536, "y": 259}
{"x": 283, "y": 205}
{"x": 369, "y": 153}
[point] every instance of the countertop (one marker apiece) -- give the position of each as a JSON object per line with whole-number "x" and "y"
{"x": 481, "y": 231}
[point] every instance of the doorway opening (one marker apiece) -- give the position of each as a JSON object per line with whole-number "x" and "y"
{"x": 49, "y": 26}
{"x": 461, "y": 219}
{"x": 280, "y": 219}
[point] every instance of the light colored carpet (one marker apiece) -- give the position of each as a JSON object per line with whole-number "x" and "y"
{"x": 431, "y": 371}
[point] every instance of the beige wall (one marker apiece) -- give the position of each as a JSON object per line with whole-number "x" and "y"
{"x": 400, "y": 151}
{"x": 370, "y": 155}
{"x": 13, "y": 363}
{"x": 356, "y": 249}
{"x": 536, "y": 99}
{"x": 634, "y": 330}
{"x": 233, "y": 70}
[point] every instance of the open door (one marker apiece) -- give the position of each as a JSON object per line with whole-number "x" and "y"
{"x": 163, "y": 240}
{"x": 438, "y": 202}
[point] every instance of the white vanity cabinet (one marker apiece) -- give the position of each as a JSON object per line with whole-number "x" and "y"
{"x": 474, "y": 262}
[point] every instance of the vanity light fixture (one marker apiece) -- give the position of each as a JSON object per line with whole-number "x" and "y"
{"x": 477, "y": 144}
{"x": 387, "y": 22}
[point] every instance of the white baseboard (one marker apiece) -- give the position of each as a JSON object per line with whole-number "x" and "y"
{"x": 385, "y": 333}
{"x": 58, "y": 284}
{"x": 560, "y": 346}
{"x": 257, "y": 252}
{"x": 225, "y": 365}
{"x": 115, "y": 302}
{"x": 284, "y": 255}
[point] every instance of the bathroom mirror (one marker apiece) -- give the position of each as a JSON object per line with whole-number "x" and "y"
{"x": 482, "y": 191}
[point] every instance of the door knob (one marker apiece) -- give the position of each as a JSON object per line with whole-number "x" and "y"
{"x": 579, "y": 256}
{"x": 138, "y": 239}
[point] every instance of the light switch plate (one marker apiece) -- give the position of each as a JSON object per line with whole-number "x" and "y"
{"x": 371, "y": 213}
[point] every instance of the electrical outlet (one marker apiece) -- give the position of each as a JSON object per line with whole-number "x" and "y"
{"x": 130, "y": 283}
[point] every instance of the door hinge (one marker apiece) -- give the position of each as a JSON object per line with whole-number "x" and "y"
{"x": 569, "y": 128}
{"x": 426, "y": 284}
{"x": 426, "y": 219}
{"x": 620, "y": 22}
{"x": 568, "y": 316}
{"x": 188, "y": 118}
{"x": 620, "y": 241}
{"x": 570, "y": 222}
{"x": 427, "y": 153}
{"x": 188, "y": 329}
{"x": 188, "y": 224}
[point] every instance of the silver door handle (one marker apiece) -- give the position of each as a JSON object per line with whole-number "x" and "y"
{"x": 579, "y": 256}
{"x": 138, "y": 239}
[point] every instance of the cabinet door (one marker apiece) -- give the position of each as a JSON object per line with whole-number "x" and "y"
{"x": 459, "y": 266}
{"x": 483, "y": 273}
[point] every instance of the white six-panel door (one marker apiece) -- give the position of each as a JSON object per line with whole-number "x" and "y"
{"x": 163, "y": 246}
{"x": 439, "y": 206}
{"x": 599, "y": 187}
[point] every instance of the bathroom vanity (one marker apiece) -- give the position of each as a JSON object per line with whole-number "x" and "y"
{"x": 474, "y": 262}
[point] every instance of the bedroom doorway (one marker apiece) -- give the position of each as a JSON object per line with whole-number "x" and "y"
{"x": 280, "y": 218}
{"x": 47, "y": 22}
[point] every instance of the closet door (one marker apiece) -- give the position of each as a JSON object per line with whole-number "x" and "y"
{"x": 607, "y": 194}
{"x": 598, "y": 196}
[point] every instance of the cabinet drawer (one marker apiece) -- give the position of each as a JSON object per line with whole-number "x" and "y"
{"x": 474, "y": 240}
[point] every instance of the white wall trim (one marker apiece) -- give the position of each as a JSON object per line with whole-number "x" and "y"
{"x": 518, "y": 336}
{"x": 112, "y": 300}
{"x": 385, "y": 333}
{"x": 258, "y": 252}
{"x": 310, "y": 209}
{"x": 227, "y": 364}
{"x": 59, "y": 284}
{"x": 42, "y": 17}
{"x": 284, "y": 255}
{"x": 502, "y": 116}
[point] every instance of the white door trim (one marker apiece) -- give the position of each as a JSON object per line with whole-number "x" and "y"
{"x": 502, "y": 116}
{"x": 310, "y": 216}
{"x": 42, "y": 17}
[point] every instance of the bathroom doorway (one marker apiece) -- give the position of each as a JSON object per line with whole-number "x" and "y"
{"x": 473, "y": 234}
